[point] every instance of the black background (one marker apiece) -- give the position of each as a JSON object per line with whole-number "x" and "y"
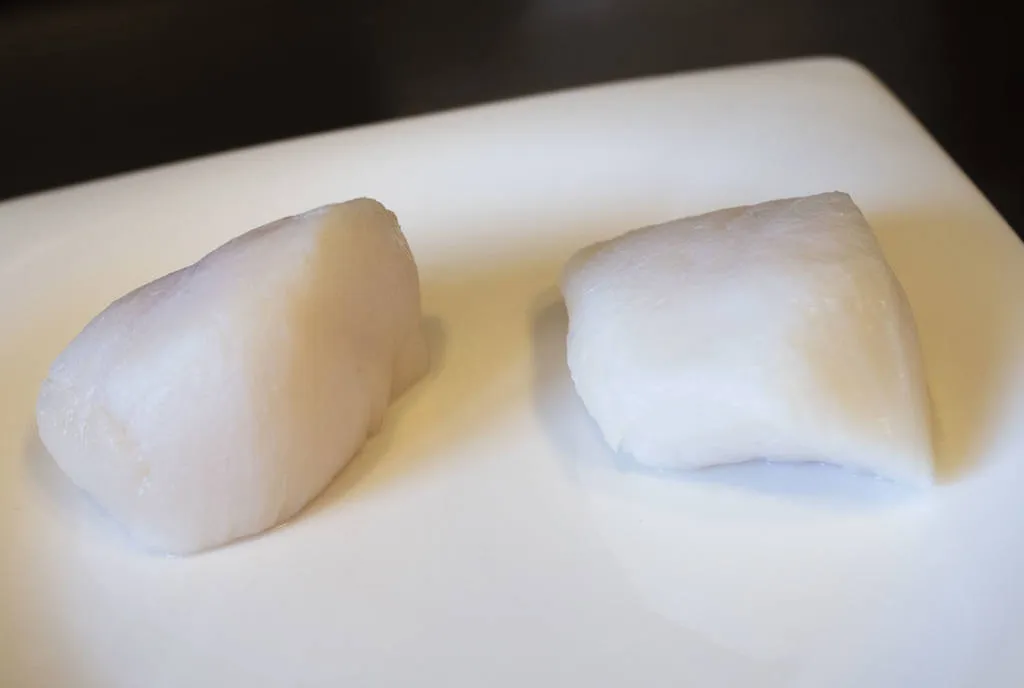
{"x": 95, "y": 87}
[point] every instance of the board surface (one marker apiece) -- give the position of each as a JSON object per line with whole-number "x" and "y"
{"x": 487, "y": 537}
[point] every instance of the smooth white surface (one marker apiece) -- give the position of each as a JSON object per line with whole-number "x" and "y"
{"x": 486, "y": 537}
{"x": 217, "y": 401}
{"x": 775, "y": 330}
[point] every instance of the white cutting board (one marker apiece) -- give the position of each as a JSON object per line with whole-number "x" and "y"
{"x": 487, "y": 537}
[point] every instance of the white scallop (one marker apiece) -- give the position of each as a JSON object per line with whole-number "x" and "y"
{"x": 217, "y": 401}
{"x": 773, "y": 331}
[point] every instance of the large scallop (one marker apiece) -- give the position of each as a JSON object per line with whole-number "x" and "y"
{"x": 217, "y": 401}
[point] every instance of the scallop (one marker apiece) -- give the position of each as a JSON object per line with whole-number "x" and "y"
{"x": 215, "y": 402}
{"x": 773, "y": 331}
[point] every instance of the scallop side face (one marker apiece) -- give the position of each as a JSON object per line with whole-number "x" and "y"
{"x": 772, "y": 331}
{"x": 217, "y": 401}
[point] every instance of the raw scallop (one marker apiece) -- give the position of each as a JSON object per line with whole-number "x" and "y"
{"x": 773, "y": 331}
{"x": 217, "y": 401}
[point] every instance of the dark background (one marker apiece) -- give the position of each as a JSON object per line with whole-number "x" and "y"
{"x": 95, "y": 87}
